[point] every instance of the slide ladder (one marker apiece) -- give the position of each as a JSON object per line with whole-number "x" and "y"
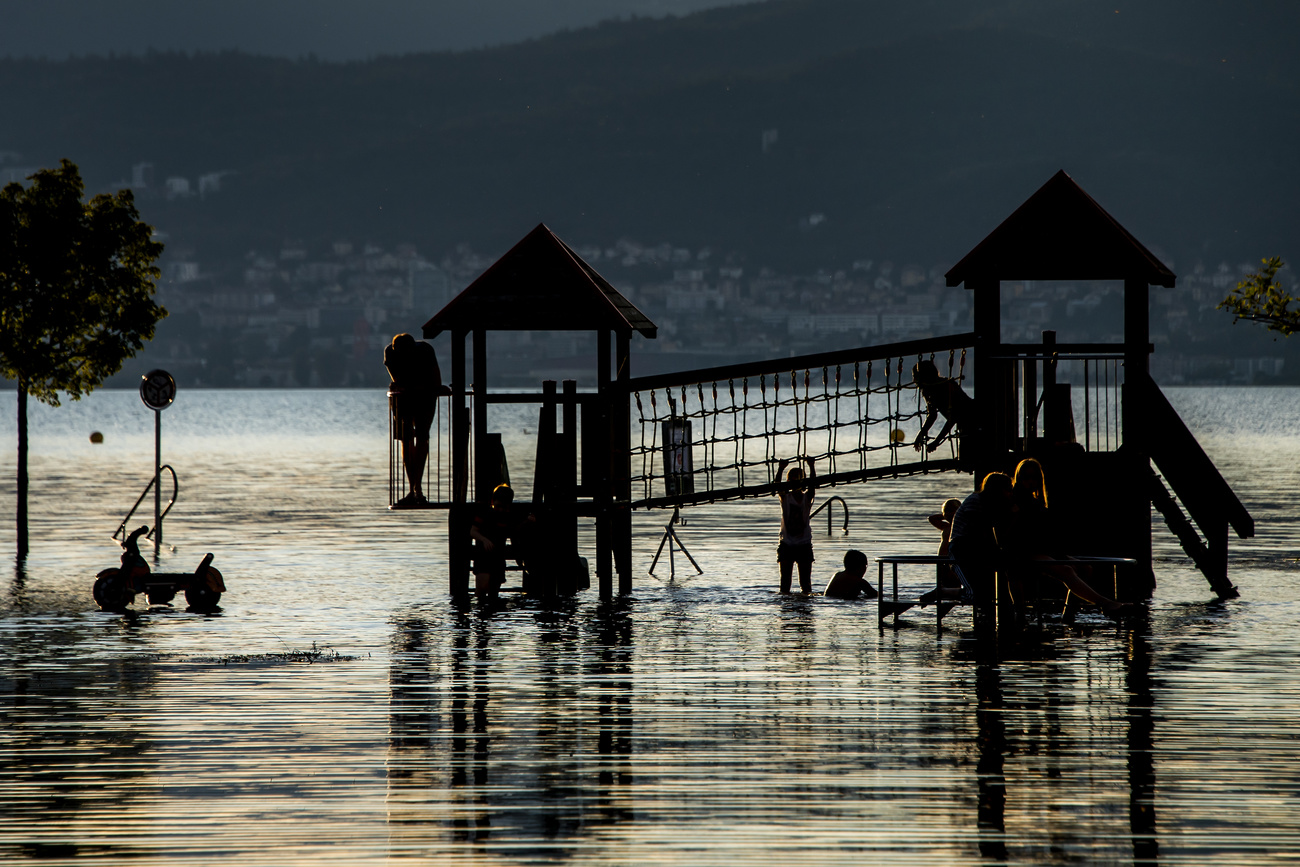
{"x": 1200, "y": 488}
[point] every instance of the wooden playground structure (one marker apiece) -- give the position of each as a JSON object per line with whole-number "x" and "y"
{"x": 1090, "y": 412}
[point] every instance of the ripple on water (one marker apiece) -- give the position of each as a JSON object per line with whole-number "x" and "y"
{"x": 341, "y": 710}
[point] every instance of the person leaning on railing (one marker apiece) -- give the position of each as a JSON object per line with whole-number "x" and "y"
{"x": 413, "y": 399}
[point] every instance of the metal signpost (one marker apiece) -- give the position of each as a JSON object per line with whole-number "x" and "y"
{"x": 157, "y": 390}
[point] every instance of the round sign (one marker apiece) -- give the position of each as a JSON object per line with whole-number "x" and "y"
{"x": 157, "y": 389}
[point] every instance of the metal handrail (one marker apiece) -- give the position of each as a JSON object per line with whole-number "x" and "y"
{"x": 121, "y": 530}
{"x": 830, "y": 526}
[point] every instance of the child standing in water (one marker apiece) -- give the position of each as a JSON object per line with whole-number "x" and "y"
{"x": 796, "y": 530}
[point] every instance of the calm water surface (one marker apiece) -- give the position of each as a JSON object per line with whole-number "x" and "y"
{"x": 341, "y": 710}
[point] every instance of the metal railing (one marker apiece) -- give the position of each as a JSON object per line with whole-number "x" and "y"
{"x": 437, "y": 475}
{"x": 830, "y": 523}
{"x": 121, "y": 529}
{"x": 1095, "y": 376}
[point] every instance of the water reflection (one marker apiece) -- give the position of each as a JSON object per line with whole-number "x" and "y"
{"x": 1141, "y": 748}
{"x": 990, "y": 779}
{"x": 1044, "y": 721}
{"x": 77, "y": 752}
{"x": 529, "y": 764}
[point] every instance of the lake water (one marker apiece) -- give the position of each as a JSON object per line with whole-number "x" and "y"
{"x": 340, "y": 709}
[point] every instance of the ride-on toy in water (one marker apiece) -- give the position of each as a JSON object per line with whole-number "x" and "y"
{"x": 115, "y": 589}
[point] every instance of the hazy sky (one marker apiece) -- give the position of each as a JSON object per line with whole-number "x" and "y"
{"x": 332, "y": 29}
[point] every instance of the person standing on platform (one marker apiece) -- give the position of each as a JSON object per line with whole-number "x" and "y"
{"x": 412, "y": 399}
{"x": 795, "y": 546}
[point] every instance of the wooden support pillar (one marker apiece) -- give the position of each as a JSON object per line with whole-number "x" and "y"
{"x": 459, "y": 517}
{"x": 1133, "y": 410}
{"x": 541, "y": 577}
{"x": 1029, "y": 384}
{"x": 992, "y": 391}
{"x": 603, "y": 491}
{"x": 483, "y": 475}
{"x": 564, "y": 519}
{"x": 621, "y": 460}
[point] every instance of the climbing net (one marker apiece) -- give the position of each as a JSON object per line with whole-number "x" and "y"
{"x": 720, "y": 438}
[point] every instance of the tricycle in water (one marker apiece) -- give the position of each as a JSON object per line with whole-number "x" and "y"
{"x": 115, "y": 589}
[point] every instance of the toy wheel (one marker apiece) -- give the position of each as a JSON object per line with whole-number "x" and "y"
{"x": 111, "y": 591}
{"x": 202, "y": 598}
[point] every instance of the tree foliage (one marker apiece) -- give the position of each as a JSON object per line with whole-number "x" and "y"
{"x": 1260, "y": 298}
{"x": 76, "y": 284}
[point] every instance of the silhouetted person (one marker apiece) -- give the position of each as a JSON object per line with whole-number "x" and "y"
{"x": 796, "y": 529}
{"x": 942, "y": 395}
{"x": 946, "y": 583}
{"x": 974, "y": 538}
{"x": 851, "y": 582}
{"x": 1032, "y": 536}
{"x": 492, "y": 528}
{"x": 413, "y": 399}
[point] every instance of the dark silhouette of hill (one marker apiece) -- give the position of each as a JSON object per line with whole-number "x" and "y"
{"x": 913, "y": 128}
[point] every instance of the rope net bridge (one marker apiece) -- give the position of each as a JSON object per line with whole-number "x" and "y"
{"x": 720, "y": 433}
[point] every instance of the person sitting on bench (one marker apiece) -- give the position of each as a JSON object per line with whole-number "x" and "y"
{"x": 492, "y": 528}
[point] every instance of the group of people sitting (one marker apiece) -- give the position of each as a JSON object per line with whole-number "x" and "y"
{"x": 1004, "y": 527}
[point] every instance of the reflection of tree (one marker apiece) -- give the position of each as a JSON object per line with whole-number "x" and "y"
{"x": 74, "y": 743}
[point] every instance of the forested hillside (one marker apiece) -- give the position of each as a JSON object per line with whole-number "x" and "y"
{"x": 911, "y": 129}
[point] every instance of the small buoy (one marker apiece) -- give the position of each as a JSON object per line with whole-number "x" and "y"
{"x": 898, "y": 436}
{"x": 96, "y": 437}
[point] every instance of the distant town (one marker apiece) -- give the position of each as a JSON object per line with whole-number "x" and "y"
{"x": 305, "y": 315}
{"x": 300, "y": 317}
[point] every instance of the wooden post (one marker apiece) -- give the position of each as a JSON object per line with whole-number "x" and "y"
{"x": 991, "y": 399}
{"x": 458, "y": 518}
{"x": 483, "y": 476}
{"x": 603, "y": 491}
{"x": 621, "y": 463}
{"x": 564, "y": 516}
{"x": 546, "y": 472}
{"x": 1133, "y": 410}
{"x": 1029, "y": 382}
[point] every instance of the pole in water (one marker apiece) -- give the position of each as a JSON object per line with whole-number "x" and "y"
{"x": 157, "y": 390}
{"x": 157, "y": 482}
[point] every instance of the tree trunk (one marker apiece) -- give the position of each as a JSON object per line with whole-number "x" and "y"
{"x": 22, "y": 470}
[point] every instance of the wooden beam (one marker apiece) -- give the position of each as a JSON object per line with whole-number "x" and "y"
{"x": 621, "y": 462}
{"x": 602, "y": 494}
{"x": 459, "y": 518}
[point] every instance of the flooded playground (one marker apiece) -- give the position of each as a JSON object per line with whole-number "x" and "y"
{"x": 341, "y": 709}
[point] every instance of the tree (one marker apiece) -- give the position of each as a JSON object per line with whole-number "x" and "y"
{"x": 76, "y": 293}
{"x": 1259, "y": 298}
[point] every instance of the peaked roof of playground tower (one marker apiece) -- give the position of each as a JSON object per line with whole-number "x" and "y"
{"x": 1060, "y": 233}
{"x": 540, "y": 285}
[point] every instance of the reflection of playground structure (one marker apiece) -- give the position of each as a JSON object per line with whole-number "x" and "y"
{"x": 1031, "y": 728}
{"x": 480, "y": 758}
{"x": 526, "y": 749}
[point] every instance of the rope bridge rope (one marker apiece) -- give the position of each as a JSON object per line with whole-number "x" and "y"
{"x": 852, "y": 417}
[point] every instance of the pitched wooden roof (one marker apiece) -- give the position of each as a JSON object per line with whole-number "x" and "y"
{"x": 540, "y": 285}
{"x": 1060, "y": 233}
